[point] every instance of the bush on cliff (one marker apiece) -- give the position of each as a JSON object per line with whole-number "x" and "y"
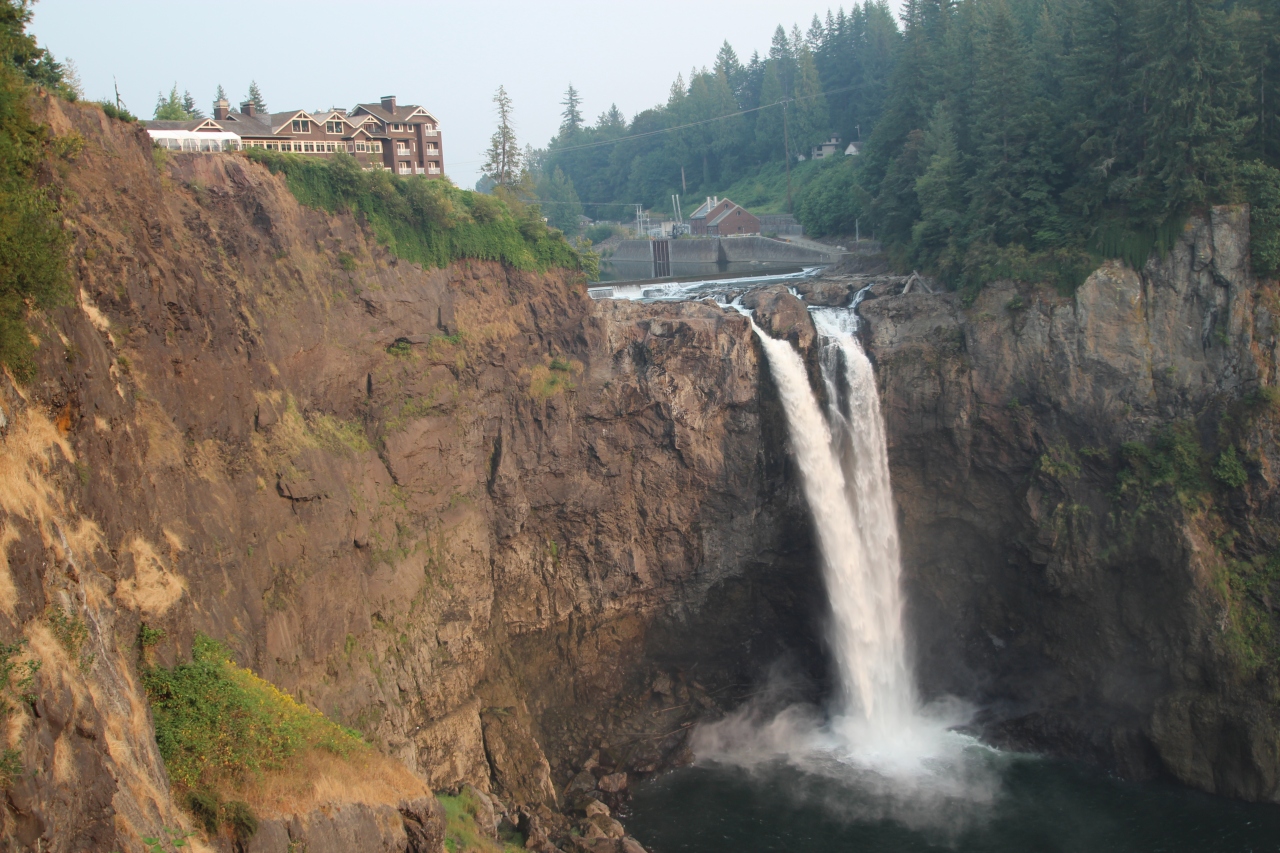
{"x": 430, "y": 222}
{"x": 236, "y": 746}
{"x": 33, "y": 267}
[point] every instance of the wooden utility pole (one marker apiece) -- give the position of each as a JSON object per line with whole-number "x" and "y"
{"x": 786, "y": 144}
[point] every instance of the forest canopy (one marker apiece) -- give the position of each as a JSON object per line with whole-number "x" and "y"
{"x": 1021, "y": 138}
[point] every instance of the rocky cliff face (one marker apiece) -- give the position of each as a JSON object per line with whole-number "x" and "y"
{"x": 523, "y": 540}
{"x": 505, "y": 531}
{"x": 1079, "y": 561}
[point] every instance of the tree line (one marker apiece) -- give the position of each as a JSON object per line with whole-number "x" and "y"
{"x": 1003, "y": 137}
{"x": 724, "y": 122}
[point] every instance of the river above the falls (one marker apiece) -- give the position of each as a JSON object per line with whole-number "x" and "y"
{"x": 1040, "y": 805}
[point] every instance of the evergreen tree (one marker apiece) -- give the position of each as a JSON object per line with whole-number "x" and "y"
{"x": 220, "y": 95}
{"x": 896, "y": 207}
{"x": 255, "y": 97}
{"x": 1104, "y": 98}
{"x": 783, "y": 61}
{"x": 1193, "y": 124}
{"x": 1011, "y": 198}
{"x": 937, "y": 234}
{"x": 571, "y": 118}
{"x": 189, "y": 106}
{"x": 769, "y": 120}
{"x": 503, "y": 157}
{"x": 812, "y": 121}
{"x": 1257, "y": 24}
{"x": 728, "y": 66}
{"x": 171, "y": 108}
{"x": 559, "y": 201}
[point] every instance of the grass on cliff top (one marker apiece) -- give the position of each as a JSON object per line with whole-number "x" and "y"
{"x": 235, "y": 745}
{"x": 463, "y": 834}
{"x": 426, "y": 221}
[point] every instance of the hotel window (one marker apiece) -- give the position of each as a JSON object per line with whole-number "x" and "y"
{"x": 402, "y": 149}
{"x": 309, "y": 147}
{"x": 404, "y": 168}
{"x": 361, "y": 148}
{"x": 301, "y": 126}
{"x": 376, "y": 148}
{"x": 333, "y": 127}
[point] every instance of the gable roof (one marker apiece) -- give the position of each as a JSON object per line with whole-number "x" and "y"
{"x": 732, "y": 207}
{"x": 194, "y": 124}
{"x": 402, "y": 112}
{"x": 245, "y": 125}
{"x": 280, "y": 120}
{"x": 706, "y": 210}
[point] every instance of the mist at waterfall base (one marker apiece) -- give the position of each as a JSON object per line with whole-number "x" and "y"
{"x": 876, "y": 769}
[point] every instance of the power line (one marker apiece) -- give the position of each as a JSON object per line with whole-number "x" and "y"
{"x": 683, "y": 126}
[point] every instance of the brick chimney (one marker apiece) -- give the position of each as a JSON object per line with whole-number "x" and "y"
{"x": 389, "y": 103}
{"x": 221, "y": 109}
{"x": 248, "y": 108}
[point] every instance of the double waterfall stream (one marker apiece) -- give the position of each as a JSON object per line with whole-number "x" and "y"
{"x": 876, "y": 769}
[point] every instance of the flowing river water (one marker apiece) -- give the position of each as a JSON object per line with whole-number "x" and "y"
{"x": 876, "y": 769}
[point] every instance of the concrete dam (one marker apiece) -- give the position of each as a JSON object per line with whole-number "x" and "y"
{"x": 643, "y": 259}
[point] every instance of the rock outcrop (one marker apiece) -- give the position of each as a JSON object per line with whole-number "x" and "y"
{"x": 1090, "y": 600}
{"x": 502, "y": 530}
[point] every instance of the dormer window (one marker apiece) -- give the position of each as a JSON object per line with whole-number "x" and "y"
{"x": 332, "y": 127}
{"x": 301, "y": 126}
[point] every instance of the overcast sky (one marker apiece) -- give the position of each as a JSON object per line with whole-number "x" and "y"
{"x": 449, "y": 57}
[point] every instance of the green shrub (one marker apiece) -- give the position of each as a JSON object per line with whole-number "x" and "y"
{"x": 1229, "y": 471}
{"x": 1261, "y": 186}
{"x": 347, "y": 261}
{"x": 10, "y": 768}
{"x": 463, "y": 834}
{"x": 115, "y": 112}
{"x": 148, "y": 636}
{"x": 600, "y": 233}
{"x": 216, "y": 722}
{"x": 430, "y": 222}
{"x": 33, "y": 246}
{"x": 72, "y": 634}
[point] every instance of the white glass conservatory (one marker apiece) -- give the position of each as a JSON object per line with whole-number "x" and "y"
{"x": 195, "y": 141}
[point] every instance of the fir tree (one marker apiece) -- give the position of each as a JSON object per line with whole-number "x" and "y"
{"x": 731, "y": 69}
{"x": 936, "y": 235}
{"x": 255, "y": 97}
{"x": 1193, "y": 123}
{"x": 1257, "y": 24}
{"x": 189, "y": 106}
{"x": 571, "y": 118}
{"x": 769, "y": 121}
{"x": 220, "y": 95}
{"x": 812, "y": 121}
{"x": 503, "y": 158}
{"x": 170, "y": 108}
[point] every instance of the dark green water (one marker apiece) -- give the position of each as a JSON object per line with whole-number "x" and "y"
{"x": 1034, "y": 806}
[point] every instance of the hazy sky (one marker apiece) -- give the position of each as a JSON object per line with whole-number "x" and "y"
{"x": 449, "y": 57}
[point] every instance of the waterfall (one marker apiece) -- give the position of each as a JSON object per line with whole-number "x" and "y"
{"x": 888, "y": 755}
{"x": 844, "y": 471}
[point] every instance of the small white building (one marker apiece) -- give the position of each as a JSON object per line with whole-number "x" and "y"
{"x": 202, "y": 135}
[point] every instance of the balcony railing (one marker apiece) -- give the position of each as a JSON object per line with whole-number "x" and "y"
{"x": 433, "y": 170}
{"x": 430, "y": 133}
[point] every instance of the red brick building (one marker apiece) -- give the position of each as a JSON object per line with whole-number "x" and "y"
{"x": 718, "y": 217}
